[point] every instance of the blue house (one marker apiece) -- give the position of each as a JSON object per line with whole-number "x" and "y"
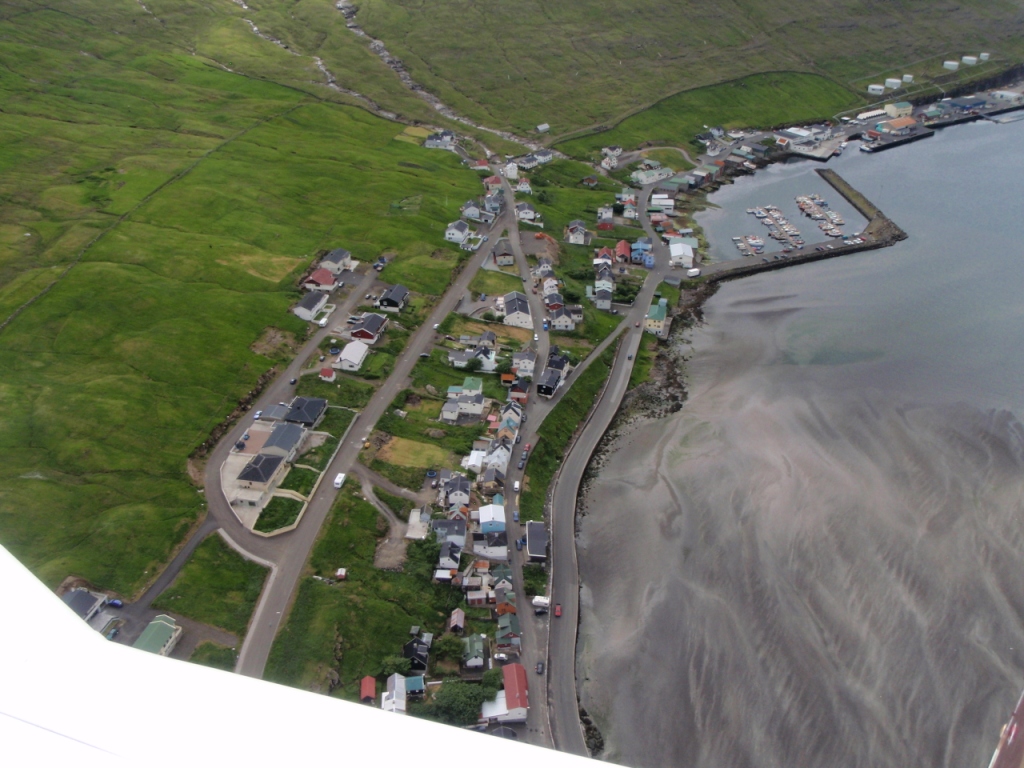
{"x": 636, "y": 256}
{"x": 642, "y": 243}
{"x": 649, "y": 260}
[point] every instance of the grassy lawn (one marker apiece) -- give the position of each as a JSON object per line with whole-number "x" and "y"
{"x": 300, "y": 480}
{"x": 352, "y": 626}
{"x": 217, "y": 586}
{"x": 212, "y": 655}
{"x": 279, "y": 512}
{"x": 626, "y": 56}
{"x": 436, "y": 372}
{"x": 407, "y": 477}
{"x": 757, "y": 101}
{"x": 535, "y": 580}
{"x": 670, "y": 292}
{"x": 397, "y": 504}
{"x": 228, "y": 184}
{"x": 411, "y": 453}
{"x": 507, "y": 335}
{"x": 644, "y": 361}
{"x": 421, "y": 419}
{"x": 343, "y": 391}
{"x": 555, "y": 433}
{"x": 495, "y": 283}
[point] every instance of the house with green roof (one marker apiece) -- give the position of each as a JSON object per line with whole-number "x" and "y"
{"x": 474, "y": 652}
{"x": 657, "y": 318}
{"x": 160, "y": 636}
{"x": 472, "y": 385}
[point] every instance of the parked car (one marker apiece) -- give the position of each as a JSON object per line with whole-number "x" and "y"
{"x": 515, "y": 486}
{"x": 540, "y": 667}
{"x": 424, "y": 354}
{"x": 115, "y": 603}
{"x": 515, "y": 515}
{"x": 536, "y": 337}
{"x": 540, "y": 611}
{"x": 527, "y": 445}
{"x": 525, "y": 455}
{"x": 335, "y": 350}
{"x": 636, "y": 324}
{"x": 501, "y": 657}
{"x": 518, "y": 438}
{"x": 519, "y": 545}
{"x": 292, "y": 381}
{"x": 436, "y": 326}
{"x": 256, "y": 416}
{"x": 521, "y": 465}
{"x": 558, "y": 609}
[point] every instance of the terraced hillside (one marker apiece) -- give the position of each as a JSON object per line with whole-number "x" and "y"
{"x": 156, "y": 209}
{"x": 586, "y": 62}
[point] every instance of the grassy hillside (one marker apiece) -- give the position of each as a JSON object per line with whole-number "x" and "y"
{"x": 592, "y": 61}
{"x": 185, "y": 199}
{"x": 756, "y": 101}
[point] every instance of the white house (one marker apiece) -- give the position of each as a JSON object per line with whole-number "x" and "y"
{"x": 576, "y": 233}
{"x": 525, "y": 212}
{"x": 680, "y": 254}
{"x": 310, "y": 305}
{"x": 337, "y": 261}
{"x": 604, "y": 284}
{"x": 471, "y": 405}
{"x": 664, "y": 201}
{"x": 475, "y": 461}
{"x": 609, "y": 163}
{"x": 517, "y": 310}
{"x": 498, "y": 454}
{"x": 352, "y": 356}
{"x": 511, "y": 171}
{"x": 524, "y": 187}
{"x": 523, "y": 363}
{"x": 550, "y": 286}
{"x": 393, "y": 699}
{"x": 457, "y": 232}
{"x": 561, "y": 320}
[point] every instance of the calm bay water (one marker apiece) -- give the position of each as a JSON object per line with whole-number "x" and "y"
{"x": 819, "y": 560}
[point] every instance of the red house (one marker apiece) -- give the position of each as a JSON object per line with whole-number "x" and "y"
{"x": 606, "y": 225}
{"x": 367, "y": 690}
{"x": 622, "y": 250}
{"x": 321, "y": 280}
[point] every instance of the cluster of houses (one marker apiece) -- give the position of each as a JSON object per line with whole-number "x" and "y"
{"x": 441, "y": 140}
{"x": 259, "y": 462}
{"x": 527, "y": 163}
{"x": 610, "y": 159}
{"x": 561, "y": 316}
{"x": 485, "y": 211}
{"x": 321, "y": 281}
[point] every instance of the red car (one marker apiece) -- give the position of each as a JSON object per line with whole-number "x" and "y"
{"x": 527, "y": 446}
{"x": 558, "y": 610}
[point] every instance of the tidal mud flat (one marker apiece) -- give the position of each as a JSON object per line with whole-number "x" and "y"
{"x": 816, "y": 560}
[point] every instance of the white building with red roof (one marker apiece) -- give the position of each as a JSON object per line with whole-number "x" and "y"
{"x": 321, "y": 280}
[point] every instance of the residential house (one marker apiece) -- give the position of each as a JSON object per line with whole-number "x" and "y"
{"x": 415, "y": 687}
{"x": 649, "y": 261}
{"x": 499, "y": 452}
{"x": 603, "y": 299}
{"x": 511, "y": 171}
{"x": 613, "y": 151}
{"x": 309, "y": 306}
{"x": 622, "y": 250}
{"x": 474, "y": 212}
{"x": 258, "y": 479}
{"x": 367, "y": 689}
{"x": 527, "y": 163}
{"x": 457, "y": 621}
{"x": 285, "y": 440}
{"x": 576, "y": 233}
{"x": 504, "y": 601}
{"x": 519, "y": 391}
{"x": 337, "y": 261}
{"x": 507, "y": 428}
{"x": 352, "y": 356}
{"x": 369, "y": 328}
{"x": 609, "y": 163}
{"x": 328, "y": 375}
{"x": 548, "y": 382}
{"x": 550, "y": 285}
{"x": 84, "y": 603}
{"x": 307, "y": 411}
{"x": 394, "y": 298}
{"x": 493, "y": 183}
{"x": 474, "y": 653}
{"x": 526, "y": 212}
{"x": 517, "y": 310}
{"x": 471, "y": 405}
{"x": 491, "y": 482}
{"x": 561, "y": 320}
{"x": 492, "y": 518}
{"x": 450, "y": 555}
{"x": 494, "y": 202}
{"x": 160, "y": 636}
{"x": 460, "y": 358}
{"x": 479, "y": 165}
{"x": 450, "y": 532}
{"x": 455, "y": 491}
{"x": 544, "y": 155}
{"x": 590, "y": 182}
{"x": 517, "y": 694}
{"x": 536, "y": 541}
{"x": 680, "y": 254}
{"x": 512, "y": 411}
{"x": 559, "y": 361}
{"x": 488, "y": 340}
{"x": 491, "y": 545}
{"x": 657, "y": 317}
{"x": 629, "y": 211}
{"x": 523, "y": 187}
{"x": 554, "y": 301}
{"x": 543, "y": 268}
{"x": 604, "y": 283}
{"x": 501, "y": 576}
{"x": 472, "y": 385}
{"x": 458, "y": 231}
{"x": 476, "y": 598}
{"x": 575, "y": 312}
{"x": 393, "y": 699}
{"x": 442, "y": 140}
{"x": 523, "y": 362}
{"x": 508, "y": 634}
{"x": 502, "y": 253}
{"x": 320, "y": 280}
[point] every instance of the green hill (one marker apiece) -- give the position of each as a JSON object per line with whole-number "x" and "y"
{"x": 586, "y": 62}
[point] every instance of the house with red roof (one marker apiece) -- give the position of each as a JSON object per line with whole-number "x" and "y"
{"x": 320, "y": 280}
{"x": 622, "y": 249}
{"x": 517, "y": 693}
{"x": 492, "y": 183}
{"x": 367, "y": 690}
{"x": 328, "y": 374}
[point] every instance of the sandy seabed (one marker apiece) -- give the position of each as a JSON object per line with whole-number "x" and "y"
{"x": 803, "y": 570}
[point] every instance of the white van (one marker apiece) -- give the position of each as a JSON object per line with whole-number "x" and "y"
{"x": 339, "y": 480}
{"x": 515, "y": 486}
{"x": 693, "y": 272}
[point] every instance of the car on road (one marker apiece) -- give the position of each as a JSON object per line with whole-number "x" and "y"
{"x": 424, "y": 354}
{"x": 522, "y": 463}
{"x": 518, "y": 438}
{"x": 515, "y": 515}
{"x": 519, "y": 545}
{"x": 527, "y": 445}
{"x": 436, "y": 326}
{"x": 501, "y": 657}
{"x": 115, "y": 603}
{"x": 256, "y": 416}
{"x": 339, "y": 480}
{"x": 292, "y": 381}
{"x": 540, "y": 611}
{"x": 323, "y": 322}
{"x": 335, "y": 350}
{"x": 526, "y": 453}
{"x": 629, "y": 356}
{"x": 540, "y": 667}
{"x": 515, "y": 486}
{"x": 558, "y": 610}
{"x": 636, "y": 324}
{"x": 536, "y": 337}
{"x": 765, "y": 259}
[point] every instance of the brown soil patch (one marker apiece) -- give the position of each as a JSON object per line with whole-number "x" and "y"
{"x": 196, "y": 469}
{"x": 274, "y": 342}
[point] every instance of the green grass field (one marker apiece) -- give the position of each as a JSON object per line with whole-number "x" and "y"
{"x": 757, "y": 101}
{"x": 352, "y": 626}
{"x": 495, "y": 283}
{"x": 592, "y": 62}
{"x": 280, "y": 512}
{"x": 193, "y": 197}
{"x": 217, "y": 586}
{"x": 212, "y": 655}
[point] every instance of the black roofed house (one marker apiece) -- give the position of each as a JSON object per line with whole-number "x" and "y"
{"x": 488, "y": 339}
{"x": 456, "y": 491}
{"x": 575, "y": 312}
{"x": 548, "y": 382}
{"x": 450, "y": 531}
{"x": 576, "y": 233}
{"x": 536, "y": 541}
{"x": 559, "y": 361}
{"x": 517, "y": 310}
{"x": 519, "y": 391}
{"x": 258, "y": 479}
{"x": 543, "y": 268}
{"x": 492, "y": 545}
{"x": 307, "y": 411}
{"x": 394, "y": 298}
{"x": 458, "y": 231}
{"x": 554, "y": 301}
{"x": 492, "y": 481}
{"x": 83, "y": 602}
{"x": 284, "y": 441}
{"x": 418, "y": 654}
{"x": 526, "y": 212}
{"x": 369, "y": 328}
{"x": 561, "y": 320}
{"x": 450, "y": 554}
{"x": 337, "y": 261}
{"x": 603, "y": 299}
{"x": 309, "y": 306}
{"x": 441, "y": 140}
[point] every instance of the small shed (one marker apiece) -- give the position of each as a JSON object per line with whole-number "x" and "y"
{"x": 367, "y": 690}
